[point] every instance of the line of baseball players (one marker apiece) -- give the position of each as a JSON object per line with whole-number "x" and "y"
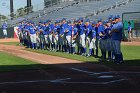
{"x": 75, "y": 36}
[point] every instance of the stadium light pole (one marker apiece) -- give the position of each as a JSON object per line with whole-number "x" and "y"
{"x": 29, "y": 4}
{"x": 11, "y": 9}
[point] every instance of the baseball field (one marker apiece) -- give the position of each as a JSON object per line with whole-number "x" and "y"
{"x": 40, "y": 71}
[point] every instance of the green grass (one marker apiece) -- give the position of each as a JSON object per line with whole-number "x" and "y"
{"x": 131, "y": 55}
{"x": 9, "y": 62}
{"x": 131, "y": 52}
{"x": 11, "y": 43}
{"x": 65, "y": 55}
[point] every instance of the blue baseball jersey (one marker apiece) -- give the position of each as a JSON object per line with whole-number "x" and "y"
{"x": 39, "y": 27}
{"x": 82, "y": 28}
{"x": 74, "y": 30}
{"x": 129, "y": 28}
{"x": 51, "y": 27}
{"x": 88, "y": 30}
{"x": 63, "y": 28}
{"x": 117, "y": 35}
{"x": 106, "y": 33}
{"x": 32, "y": 30}
{"x": 101, "y": 30}
{"x": 4, "y": 26}
{"x": 45, "y": 30}
{"x": 111, "y": 26}
{"x": 26, "y": 28}
{"x": 93, "y": 32}
{"x": 69, "y": 29}
{"x": 56, "y": 29}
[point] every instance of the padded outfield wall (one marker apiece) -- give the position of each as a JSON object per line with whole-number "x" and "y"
{"x": 10, "y": 32}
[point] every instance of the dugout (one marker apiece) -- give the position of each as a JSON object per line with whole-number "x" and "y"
{"x": 134, "y": 19}
{"x": 10, "y": 32}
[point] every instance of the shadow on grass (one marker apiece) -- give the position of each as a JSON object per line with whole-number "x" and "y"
{"x": 127, "y": 64}
{"x": 60, "y": 72}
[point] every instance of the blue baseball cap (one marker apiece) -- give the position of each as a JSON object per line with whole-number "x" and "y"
{"x": 106, "y": 21}
{"x": 100, "y": 20}
{"x": 48, "y": 20}
{"x": 40, "y": 21}
{"x": 93, "y": 22}
{"x": 87, "y": 20}
{"x": 117, "y": 16}
{"x": 63, "y": 19}
{"x": 81, "y": 19}
{"x": 75, "y": 20}
{"x": 110, "y": 17}
{"x": 69, "y": 22}
{"x": 57, "y": 21}
{"x": 27, "y": 21}
{"x": 31, "y": 22}
{"x": 113, "y": 18}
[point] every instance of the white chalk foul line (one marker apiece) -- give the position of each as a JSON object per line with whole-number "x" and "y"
{"x": 91, "y": 73}
{"x": 110, "y": 72}
{"x": 63, "y": 81}
{"x": 34, "y": 81}
{"x": 93, "y": 83}
{"x": 80, "y": 70}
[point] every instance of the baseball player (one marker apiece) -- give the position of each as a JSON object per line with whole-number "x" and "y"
{"x": 74, "y": 35}
{"x": 50, "y": 35}
{"x": 82, "y": 37}
{"x": 4, "y": 27}
{"x": 24, "y": 24}
{"x": 112, "y": 21}
{"x": 78, "y": 21}
{"x": 97, "y": 39}
{"x": 104, "y": 38}
{"x": 55, "y": 34}
{"x": 63, "y": 29}
{"x": 26, "y": 35}
{"x": 60, "y": 37}
{"x": 88, "y": 29}
{"x": 38, "y": 27}
{"x": 129, "y": 31}
{"x": 101, "y": 34}
{"x": 20, "y": 34}
{"x": 44, "y": 36}
{"x": 116, "y": 33}
{"x": 108, "y": 39}
{"x": 32, "y": 33}
{"x": 68, "y": 36}
{"x": 92, "y": 38}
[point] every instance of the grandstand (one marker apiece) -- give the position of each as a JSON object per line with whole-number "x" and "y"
{"x": 92, "y": 9}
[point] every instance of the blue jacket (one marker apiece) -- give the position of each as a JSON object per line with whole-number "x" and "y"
{"x": 117, "y": 35}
